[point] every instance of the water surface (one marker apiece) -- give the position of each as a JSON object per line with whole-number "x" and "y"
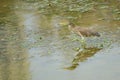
{"x": 36, "y": 44}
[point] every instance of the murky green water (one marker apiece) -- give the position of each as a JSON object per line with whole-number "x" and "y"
{"x": 35, "y": 43}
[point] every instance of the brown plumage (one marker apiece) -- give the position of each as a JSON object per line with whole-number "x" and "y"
{"x": 82, "y": 31}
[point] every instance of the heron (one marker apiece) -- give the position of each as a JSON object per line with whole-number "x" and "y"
{"x": 83, "y": 32}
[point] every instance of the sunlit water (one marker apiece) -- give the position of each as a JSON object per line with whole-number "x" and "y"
{"x": 34, "y": 46}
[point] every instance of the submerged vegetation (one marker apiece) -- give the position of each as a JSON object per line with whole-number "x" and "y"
{"x": 73, "y": 8}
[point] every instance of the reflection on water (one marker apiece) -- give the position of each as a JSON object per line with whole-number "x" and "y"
{"x": 82, "y": 56}
{"x": 13, "y": 58}
{"x": 13, "y": 64}
{"x": 34, "y": 44}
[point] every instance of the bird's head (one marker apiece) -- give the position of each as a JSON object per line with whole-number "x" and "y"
{"x": 71, "y": 25}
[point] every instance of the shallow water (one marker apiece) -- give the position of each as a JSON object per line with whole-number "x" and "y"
{"x": 35, "y": 43}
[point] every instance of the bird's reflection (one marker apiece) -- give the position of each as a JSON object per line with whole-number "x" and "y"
{"x": 83, "y": 55}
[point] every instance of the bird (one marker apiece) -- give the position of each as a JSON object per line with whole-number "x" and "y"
{"x": 82, "y": 31}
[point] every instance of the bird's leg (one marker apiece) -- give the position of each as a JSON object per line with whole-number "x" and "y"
{"x": 82, "y": 41}
{"x": 75, "y": 38}
{"x": 83, "y": 44}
